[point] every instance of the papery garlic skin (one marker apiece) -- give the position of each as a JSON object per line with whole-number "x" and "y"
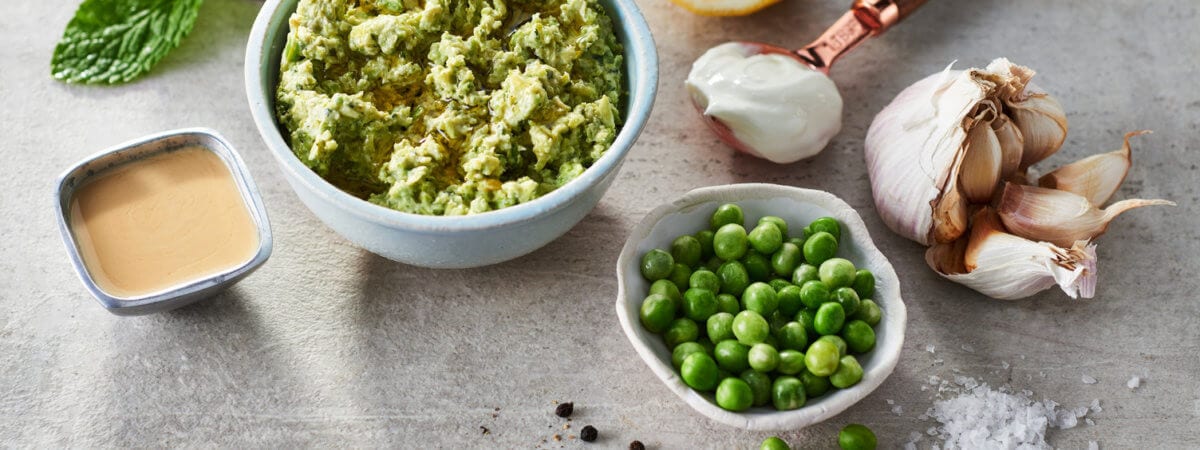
{"x": 1008, "y": 267}
{"x": 778, "y": 108}
{"x": 912, "y": 146}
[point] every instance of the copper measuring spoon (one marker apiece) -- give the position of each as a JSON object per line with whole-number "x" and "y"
{"x": 866, "y": 18}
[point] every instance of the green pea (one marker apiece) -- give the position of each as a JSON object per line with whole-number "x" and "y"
{"x": 668, "y": 288}
{"x": 829, "y": 318}
{"x": 791, "y": 362}
{"x": 680, "y": 275}
{"x": 848, "y": 373}
{"x": 797, "y": 240}
{"x": 657, "y": 264}
{"x": 814, "y": 386}
{"x": 807, "y": 318}
{"x": 705, "y": 237}
{"x": 766, "y": 238}
{"x": 864, "y": 283}
{"x": 683, "y": 350}
{"x": 777, "y": 221}
{"x": 730, "y": 243}
{"x": 760, "y": 298}
{"x": 848, "y": 299}
{"x": 785, "y": 261}
{"x": 727, "y": 214}
{"x": 657, "y": 313}
{"x": 681, "y": 330}
{"x": 686, "y": 250}
{"x": 837, "y": 272}
{"x": 760, "y": 384}
{"x": 826, "y": 224}
{"x": 778, "y": 283}
{"x": 837, "y": 341}
{"x": 734, "y": 278}
{"x": 763, "y": 358}
{"x": 750, "y": 327}
{"x": 793, "y": 336}
{"x": 757, "y": 265}
{"x": 705, "y": 279}
{"x": 774, "y": 443}
{"x": 728, "y": 304}
{"x": 699, "y": 304}
{"x": 720, "y": 327}
{"x": 790, "y": 300}
{"x": 788, "y": 393}
{"x": 732, "y": 356}
{"x": 859, "y": 336}
{"x": 699, "y": 372}
{"x": 820, "y": 247}
{"x": 821, "y": 358}
{"x": 734, "y": 394}
{"x": 713, "y": 263}
{"x": 804, "y": 273}
{"x": 813, "y": 294}
{"x": 857, "y": 437}
{"x": 869, "y": 312}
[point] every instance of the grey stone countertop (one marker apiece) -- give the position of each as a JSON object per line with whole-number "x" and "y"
{"x": 329, "y": 345}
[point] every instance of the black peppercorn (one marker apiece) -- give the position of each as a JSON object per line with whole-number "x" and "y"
{"x": 588, "y": 433}
{"x": 564, "y": 409}
{"x": 637, "y": 445}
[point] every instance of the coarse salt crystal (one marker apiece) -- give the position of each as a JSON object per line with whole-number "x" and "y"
{"x": 1095, "y": 406}
{"x": 898, "y": 410}
{"x": 910, "y": 446}
{"x": 1093, "y": 445}
{"x": 891, "y": 402}
{"x": 981, "y": 417}
{"x": 968, "y": 348}
{"x": 1087, "y": 379}
{"x": 1134, "y": 382}
{"x": 1090, "y": 422}
{"x": 1004, "y": 365}
{"x": 929, "y": 348}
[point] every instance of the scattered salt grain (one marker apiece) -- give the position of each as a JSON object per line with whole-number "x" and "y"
{"x": 1004, "y": 365}
{"x": 938, "y": 361}
{"x": 968, "y": 348}
{"x": 891, "y": 402}
{"x": 1090, "y": 422}
{"x": 1095, "y": 406}
{"x": 1092, "y": 445}
{"x": 1087, "y": 379}
{"x": 977, "y": 416}
{"x": 898, "y": 410}
{"x": 910, "y": 446}
{"x": 1134, "y": 382}
{"x": 929, "y": 348}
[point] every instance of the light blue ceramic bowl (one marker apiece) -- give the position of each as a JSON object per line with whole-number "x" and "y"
{"x": 463, "y": 241}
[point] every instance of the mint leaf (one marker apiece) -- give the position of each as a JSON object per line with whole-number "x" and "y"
{"x": 115, "y": 41}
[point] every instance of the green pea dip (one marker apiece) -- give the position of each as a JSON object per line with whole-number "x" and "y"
{"x": 450, "y": 107}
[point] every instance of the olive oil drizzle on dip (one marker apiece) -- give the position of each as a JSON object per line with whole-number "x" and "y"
{"x": 160, "y": 222}
{"x": 450, "y": 107}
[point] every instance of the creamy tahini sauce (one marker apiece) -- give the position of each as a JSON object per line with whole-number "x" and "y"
{"x": 780, "y": 108}
{"x": 160, "y": 222}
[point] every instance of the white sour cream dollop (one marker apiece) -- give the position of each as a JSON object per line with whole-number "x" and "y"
{"x": 778, "y": 107}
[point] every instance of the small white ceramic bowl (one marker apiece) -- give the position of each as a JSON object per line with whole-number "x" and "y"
{"x": 798, "y": 207}
{"x": 455, "y": 241}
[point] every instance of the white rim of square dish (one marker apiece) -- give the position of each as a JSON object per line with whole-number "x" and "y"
{"x": 877, "y": 364}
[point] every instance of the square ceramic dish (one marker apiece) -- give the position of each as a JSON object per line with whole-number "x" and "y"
{"x": 79, "y": 175}
{"x": 690, "y": 214}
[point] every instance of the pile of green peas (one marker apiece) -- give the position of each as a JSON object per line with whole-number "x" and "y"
{"x": 762, "y": 316}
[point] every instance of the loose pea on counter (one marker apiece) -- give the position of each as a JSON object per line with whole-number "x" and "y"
{"x": 761, "y": 317}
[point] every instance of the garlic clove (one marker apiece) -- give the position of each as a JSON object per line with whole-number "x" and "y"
{"x": 982, "y": 164}
{"x": 1042, "y": 122}
{"x": 1008, "y": 267}
{"x": 1012, "y": 145}
{"x": 1059, "y": 217}
{"x": 1096, "y": 177}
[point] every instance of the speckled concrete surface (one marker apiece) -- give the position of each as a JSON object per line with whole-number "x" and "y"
{"x": 328, "y": 345}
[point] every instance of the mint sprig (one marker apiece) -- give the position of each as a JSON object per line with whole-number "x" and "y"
{"x": 115, "y": 41}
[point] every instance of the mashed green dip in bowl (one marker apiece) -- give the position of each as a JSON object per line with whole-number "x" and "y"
{"x": 452, "y": 133}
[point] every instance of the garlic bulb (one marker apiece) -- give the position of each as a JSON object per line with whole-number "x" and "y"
{"x": 949, "y": 160}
